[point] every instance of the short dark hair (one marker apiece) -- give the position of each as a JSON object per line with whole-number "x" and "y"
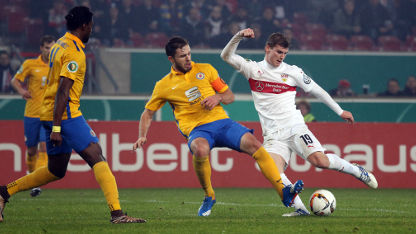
{"x": 78, "y": 16}
{"x": 394, "y": 80}
{"x": 173, "y": 44}
{"x": 277, "y": 39}
{"x": 305, "y": 103}
{"x": 47, "y": 39}
{"x": 3, "y": 52}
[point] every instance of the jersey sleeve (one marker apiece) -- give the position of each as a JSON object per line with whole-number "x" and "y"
{"x": 156, "y": 101}
{"x": 71, "y": 63}
{"x": 23, "y": 71}
{"x": 247, "y": 68}
{"x": 216, "y": 82}
{"x": 303, "y": 80}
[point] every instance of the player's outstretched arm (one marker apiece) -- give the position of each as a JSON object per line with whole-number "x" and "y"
{"x": 228, "y": 53}
{"x": 144, "y": 125}
{"x": 17, "y": 85}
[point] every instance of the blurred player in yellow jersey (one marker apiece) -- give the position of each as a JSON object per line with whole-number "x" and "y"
{"x": 34, "y": 72}
{"x": 65, "y": 127}
{"x": 195, "y": 91}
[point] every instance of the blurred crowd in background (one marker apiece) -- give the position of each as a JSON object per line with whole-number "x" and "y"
{"x": 387, "y": 25}
{"x": 339, "y": 25}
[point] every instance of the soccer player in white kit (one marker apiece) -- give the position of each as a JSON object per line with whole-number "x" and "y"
{"x": 273, "y": 86}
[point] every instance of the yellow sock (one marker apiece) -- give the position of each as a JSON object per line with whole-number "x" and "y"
{"x": 37, "y": 178}
{"x": 42, "y": 160}
{"x": 108, "y": 184}
{"x": 269, "y": 169}
{"x": 202, "y": 168}
{"x": 31, "y": 162}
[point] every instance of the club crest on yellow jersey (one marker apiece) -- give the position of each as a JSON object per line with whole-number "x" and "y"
{"x": 200, "y": 76}
{"x": 72, "y": 66}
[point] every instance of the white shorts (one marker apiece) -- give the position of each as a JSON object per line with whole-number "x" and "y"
{"x": 298, "y": 139}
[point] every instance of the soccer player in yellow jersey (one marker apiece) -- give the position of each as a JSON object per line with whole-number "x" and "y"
{"x": 35, "y": 71}
{"x": 195, "y": 91}
{"x": 66, "y": 128}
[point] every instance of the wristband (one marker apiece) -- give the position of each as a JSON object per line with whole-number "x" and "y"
{"x": 56, "y": 128}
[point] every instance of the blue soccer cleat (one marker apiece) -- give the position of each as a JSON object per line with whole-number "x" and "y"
{"x": 205, "y": 209}
{"x": 290, "y": 192}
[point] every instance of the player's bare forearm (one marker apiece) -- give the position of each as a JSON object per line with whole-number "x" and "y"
{"x": 144, "y": 125}
{"x": 227, "y": 97}
{"x": 210, "y": 102}
{"x": 145, "y": 122}
{"x": 17, "y": 85}
{"x": 61, "y": 99}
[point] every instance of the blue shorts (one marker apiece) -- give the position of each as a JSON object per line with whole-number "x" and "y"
{"x": 76, "y": 134}
{"x": 34, "y": 131}
{"x": 220, "y": 133}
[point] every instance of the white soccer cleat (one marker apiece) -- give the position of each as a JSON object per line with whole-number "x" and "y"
{"x": 367, "y": 177}
{"x": 298, "y": 212}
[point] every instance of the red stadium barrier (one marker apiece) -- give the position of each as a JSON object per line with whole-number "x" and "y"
{"x": 387, "y": 149}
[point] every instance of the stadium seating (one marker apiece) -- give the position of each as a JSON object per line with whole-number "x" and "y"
{"x": 389, "y": 43}
{"x": 300, "y": 18}
{"x": 137, "y": 39}
{"x": 411, "y": 43}
{"x": 156, "y": 40}
{"x": 362, "y": 42}
{"x": 316, "y": 30}
{"x": 34, "y": 31}
{"x": 311, "y": 42}
{"x": 117, "y": 43}
{"x": 15, "y": 20}
{"x": 337, "y": 42}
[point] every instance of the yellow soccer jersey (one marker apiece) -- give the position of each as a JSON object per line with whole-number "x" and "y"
{"x": 184, "y": 92}
{"x": 36, "y": 71}
{"x": 67, "y": 59}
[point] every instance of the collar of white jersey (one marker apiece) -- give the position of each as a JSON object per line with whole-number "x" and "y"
{"x": 271, "y": 67}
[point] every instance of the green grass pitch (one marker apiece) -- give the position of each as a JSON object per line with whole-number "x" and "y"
{"x": 237, "y": 211}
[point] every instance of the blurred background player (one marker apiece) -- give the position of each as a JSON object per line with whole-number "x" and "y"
{"x": 30, "y": 82}
{"x": 273, "y": 87}
{"x": 343, "y": 89}
{"x": 65, "y": 127}
{"x": 392, "y": 89}
{"x": 6, "y": 72}
{"x": 305, "y": 110}
{"x": 195, "y": 91}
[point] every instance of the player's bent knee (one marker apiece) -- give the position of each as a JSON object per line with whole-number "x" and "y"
{"x": 32, "y": 151}
{"x": 201, "y": 151}
{"x": 250, "y": 144}
{"x": 58, "y": 172}
{"x": 200, "y": 147}
{"x": 92, "y": 154}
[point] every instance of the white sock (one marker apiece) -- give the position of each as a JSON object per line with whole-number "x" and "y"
{"x": 342, "y": 165}
{"x": 298, "y": 204}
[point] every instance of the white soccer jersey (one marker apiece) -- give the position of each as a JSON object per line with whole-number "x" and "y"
{"x": 274, "y": 89}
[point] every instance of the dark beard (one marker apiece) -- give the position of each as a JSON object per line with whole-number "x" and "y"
{"x": 181, "y": 69}
{"x": 85, "y": 39}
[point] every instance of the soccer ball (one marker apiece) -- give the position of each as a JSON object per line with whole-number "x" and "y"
{"x": 322, "y": 202}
